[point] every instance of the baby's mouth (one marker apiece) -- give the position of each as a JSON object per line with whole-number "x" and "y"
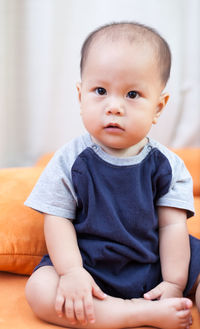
{"x": 114, "y": 126}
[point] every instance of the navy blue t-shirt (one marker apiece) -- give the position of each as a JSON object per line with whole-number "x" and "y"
{"x": 113, "y": 204}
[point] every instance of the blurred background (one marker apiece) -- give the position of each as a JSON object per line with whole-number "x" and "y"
{"x": 40, "y": 42}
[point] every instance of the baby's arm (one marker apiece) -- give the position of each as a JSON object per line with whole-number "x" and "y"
{"x": 76, "y": 286}
{"x": 174, "y": 253}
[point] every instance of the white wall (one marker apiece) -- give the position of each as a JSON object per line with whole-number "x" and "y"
{"x": 39, "y": 63}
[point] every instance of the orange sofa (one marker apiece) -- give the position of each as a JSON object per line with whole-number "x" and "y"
{"x": 22, "y": 241}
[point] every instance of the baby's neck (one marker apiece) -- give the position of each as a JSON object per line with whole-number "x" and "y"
{"x": 124, "y": 153}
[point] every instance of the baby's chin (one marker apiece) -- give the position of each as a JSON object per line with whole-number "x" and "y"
{"x": 124, "y": 150}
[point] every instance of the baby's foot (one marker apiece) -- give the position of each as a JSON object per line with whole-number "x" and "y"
{"x": 170, "y": 313}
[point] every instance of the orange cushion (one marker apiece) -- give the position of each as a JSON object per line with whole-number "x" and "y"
{"x": 21, "y": 229}
{"x": 42, "y": 162}
{"x": 194, "y": 222}
{"x": 15, "y": 313}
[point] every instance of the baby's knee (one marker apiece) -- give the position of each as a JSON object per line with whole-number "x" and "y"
{"x": 34, "y": 294}
{"x": 39, "y": 295}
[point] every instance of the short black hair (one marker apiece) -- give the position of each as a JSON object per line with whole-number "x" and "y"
{"x": 132, "y": 31}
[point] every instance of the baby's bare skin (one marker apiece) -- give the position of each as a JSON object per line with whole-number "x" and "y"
{"x": 167, "y": 313}
{"x": 110, "y": 313}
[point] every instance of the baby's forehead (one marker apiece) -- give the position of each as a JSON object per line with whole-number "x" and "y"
{"x": 103, "y": 45}
{"x": 129, "y": 38}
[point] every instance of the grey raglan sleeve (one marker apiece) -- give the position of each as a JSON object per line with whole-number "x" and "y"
{"x": 180, "y": 194}
{"x": 54, "y": 193}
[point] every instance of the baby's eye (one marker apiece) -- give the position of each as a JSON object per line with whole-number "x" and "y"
{"x": 133, "y": 94}
{"x": 100, "y": 91}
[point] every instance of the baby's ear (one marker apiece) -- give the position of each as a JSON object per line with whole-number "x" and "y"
{"x": 161, "y": 104}
{"x": 78, "y": 87}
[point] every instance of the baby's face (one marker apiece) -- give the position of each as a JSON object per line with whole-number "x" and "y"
{"x": 120, "y": 93}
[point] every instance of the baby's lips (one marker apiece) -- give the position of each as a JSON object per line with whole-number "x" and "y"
{"x": 114, "y": 125}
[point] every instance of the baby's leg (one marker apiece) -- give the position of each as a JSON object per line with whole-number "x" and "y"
{"x": 111, "y": 313}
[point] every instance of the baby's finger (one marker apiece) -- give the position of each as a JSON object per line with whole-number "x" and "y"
{"x": 89, "y": 309}
{"x": 79, "y": 311}
{"x": 154, "y": 293}
{"x": 69, "y": 311}
{"x": 59, "y": 302}
{"x": 97, "y": 292}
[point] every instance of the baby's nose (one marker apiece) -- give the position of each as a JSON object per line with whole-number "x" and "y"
{"x": 114, "y": 109}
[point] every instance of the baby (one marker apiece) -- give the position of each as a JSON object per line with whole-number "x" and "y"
{"x": 116, "y": 201}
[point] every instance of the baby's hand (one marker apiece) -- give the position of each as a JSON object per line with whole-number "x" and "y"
{"x": 74, "y": 297}
{"x": 164, "y": 290}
